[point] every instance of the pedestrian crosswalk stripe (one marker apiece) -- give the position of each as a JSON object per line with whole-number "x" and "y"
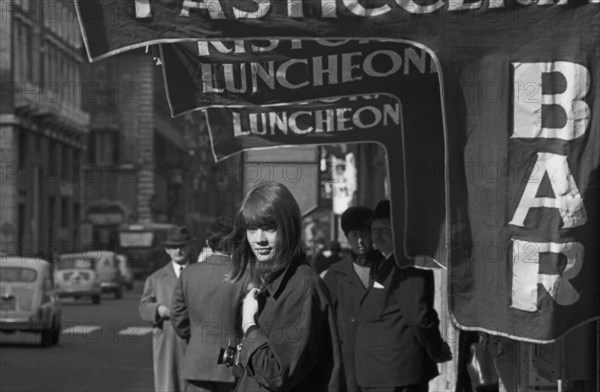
{"x": 135, "y": 331}
{"x": 81, "y": 329}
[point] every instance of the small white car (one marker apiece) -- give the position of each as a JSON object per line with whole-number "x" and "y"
{"x": 75, "y": 276}
{"x": 28, "y": 301}
{"x": 106, "y": 265}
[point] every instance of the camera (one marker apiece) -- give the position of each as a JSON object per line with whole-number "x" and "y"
{"x": 230, "y": 357}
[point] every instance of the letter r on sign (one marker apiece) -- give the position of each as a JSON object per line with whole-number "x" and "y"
{"x": 539, "y": 263}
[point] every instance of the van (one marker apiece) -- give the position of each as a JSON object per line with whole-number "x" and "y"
{"x": 142, "y": 244}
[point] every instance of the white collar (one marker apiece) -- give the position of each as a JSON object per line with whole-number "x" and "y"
{"x": 207, "y": 251}
{"x": 177, "y": 268}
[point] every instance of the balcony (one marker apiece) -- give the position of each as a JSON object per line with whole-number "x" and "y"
{"x": 53, "y": 104}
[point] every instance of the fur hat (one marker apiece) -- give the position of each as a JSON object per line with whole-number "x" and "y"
{"x": 354, "y": 218}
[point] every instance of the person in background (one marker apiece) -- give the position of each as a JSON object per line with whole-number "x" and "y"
{"x": 205, "y": 312}
{"x": 215, "y": 233}
{"x": 398, "y": 341}
{"x": 290, "y": 338}
{"x": 327, "y": 256}
{"x": 349, "y": 281}
{"x": 168, "y": 348}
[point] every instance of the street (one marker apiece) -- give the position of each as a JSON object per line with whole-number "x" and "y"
{"x": 103, "y": 348}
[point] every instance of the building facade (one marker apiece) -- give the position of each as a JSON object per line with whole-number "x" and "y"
{"x": 43, "y": 128}
{"x": 144, "y": 166}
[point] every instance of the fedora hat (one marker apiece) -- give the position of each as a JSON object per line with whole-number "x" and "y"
{"x": 177, "y": 236}
{"x": 382, "y": 210}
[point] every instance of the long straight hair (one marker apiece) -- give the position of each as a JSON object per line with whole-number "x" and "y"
{"x": 268, "y": 205}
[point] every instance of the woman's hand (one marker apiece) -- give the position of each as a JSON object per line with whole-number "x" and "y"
{"x": 249, "y": 309}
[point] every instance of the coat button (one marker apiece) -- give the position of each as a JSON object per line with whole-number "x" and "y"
{"x": 352, "y": 319}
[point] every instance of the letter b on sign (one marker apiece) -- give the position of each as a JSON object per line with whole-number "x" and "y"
{"x": 542, "y": 88}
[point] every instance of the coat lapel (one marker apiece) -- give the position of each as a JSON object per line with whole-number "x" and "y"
{"x": 169, "y": 277}
{"x": 356, "y": 288}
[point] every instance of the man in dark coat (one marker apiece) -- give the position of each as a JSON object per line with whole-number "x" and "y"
{"x": 398, "y": 341}
{"x": 349, "y": 281}
{"x": 154, "y": 307}
{"x": 206, "y": 313}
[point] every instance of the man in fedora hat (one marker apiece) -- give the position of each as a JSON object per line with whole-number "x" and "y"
{"x": 168, "y": 348}
{"x": 398, "y": 311}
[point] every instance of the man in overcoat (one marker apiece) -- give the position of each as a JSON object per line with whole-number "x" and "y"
{"x": 398, "y": 341}
{"x": 206, "y": 311}
{"x": 349, "y": 281}
{"x": 154, "y": 307}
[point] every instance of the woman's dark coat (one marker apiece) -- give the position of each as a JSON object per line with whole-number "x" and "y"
{"x": 294, "y": 345}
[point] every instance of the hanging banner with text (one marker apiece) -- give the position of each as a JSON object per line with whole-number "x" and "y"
{"x": 522, "y": 100}
{"x": 418, "y": 205}
{"x": 201, "y": 74}
{"x": 257, "y": 73}
{"x": 113, "y": 26}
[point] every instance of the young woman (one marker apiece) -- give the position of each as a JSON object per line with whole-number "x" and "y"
{"x": 290, "y": 340}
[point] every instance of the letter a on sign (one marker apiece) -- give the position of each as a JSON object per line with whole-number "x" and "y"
{"x": 566, "y": 194}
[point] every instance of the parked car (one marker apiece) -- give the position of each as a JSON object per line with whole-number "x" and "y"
{"x": 126, "y": 271}
{"x": 106, "y": 266}
{"x": 75, "y": 276}
{"x": 28, "y": 301}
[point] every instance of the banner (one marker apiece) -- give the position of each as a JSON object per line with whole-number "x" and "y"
{"x": 257, "y": 73}
{"x": 201, "y": 74}
{"x": 113, "y": 26}
{"x": 522, "y": 100}
{"x": 234, "y": 129}
{"x": 418, "y": 206}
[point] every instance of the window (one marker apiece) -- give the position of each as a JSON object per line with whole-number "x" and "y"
{"x": 25, "y": 5}
{"x": 53, "y": 168}
{"x": 51, "y": 218}
{"x": 18, "y": 50}
{"x": 28, "y": 49}
{"x": 104, "y": 147}
{"x": 75, "y": 262}
{"x": 23, "y": 143}
{"x": 17, "y": 274}
{"x": 38, "y": 146}
{"x": 76, "y": 220}
{"x": 76, "y": 166}
{"x": 66, "y": 163}
{"x": 64, "y": 212}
